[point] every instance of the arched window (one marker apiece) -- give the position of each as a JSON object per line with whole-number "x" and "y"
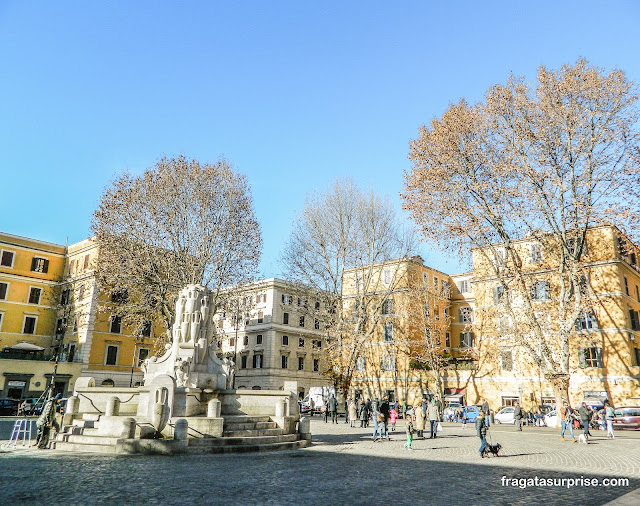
{"x": 107, "y": 383}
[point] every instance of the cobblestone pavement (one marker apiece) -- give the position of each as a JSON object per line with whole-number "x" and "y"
{"x": 343, "y": 466}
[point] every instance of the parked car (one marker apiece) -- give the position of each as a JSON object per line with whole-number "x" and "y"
{"x": 505, "y": 415}
{"x": 471, "y": 413}
{"x": 551, "y": 419}
{"x": 627, "y": 418}
{"x": 9, "y": 407}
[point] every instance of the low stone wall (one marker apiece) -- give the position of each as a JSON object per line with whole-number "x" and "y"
{"x": 257, "y": 402}
{"x": 94, "y": 399}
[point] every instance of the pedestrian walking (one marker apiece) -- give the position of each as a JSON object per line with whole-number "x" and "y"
{"x": 566, "y": 420}
{"x": 364, "y": 415}
{"x": 433, "y": 414}
{"x": 346, "y": 410}
{"x": 393, "y": 416}
{"x": 481, "y": 431}
{"x": 353, "y": 413}
{"x": 369, "y": 409}
{"x": 585, "y": 418}
{"x": 419, "y": 420}
{"x": 408, "y": 422}
{"x": 325, "y": 409}
{"x": 385, "y": 411}
{"x": 517, "y": 416}
{"x": 333, "y": 409}
{"x": 375, "y": 415}
{"x": 485, "y": 410}
{"x": 609, "y": 414}
{"x": 404, "y": 409}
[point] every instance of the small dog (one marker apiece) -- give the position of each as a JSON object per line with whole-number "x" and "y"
{"x": 583, "y": 439}
{"x": 493, "y": 450}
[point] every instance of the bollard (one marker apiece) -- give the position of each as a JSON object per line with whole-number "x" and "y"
{"x": 181, "y": 430}
{"x": 214, "y": 408}
{"x": 128, "y": 430}
{"x": 280, "y": 408}
{"x": 73, "y": 403}
{"x": 113, "y": 406}
{"x": 304, "y": 426}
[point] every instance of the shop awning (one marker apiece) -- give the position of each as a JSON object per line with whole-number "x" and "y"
{"x": 453, "y": 398}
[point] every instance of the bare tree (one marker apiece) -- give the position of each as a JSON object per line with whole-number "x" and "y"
{"x": 345, "y": 246}
{"x": 179, "y": 223}
{"x": 545, "y": 164}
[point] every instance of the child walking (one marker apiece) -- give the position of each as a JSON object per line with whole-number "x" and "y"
{"x": 409, "y": 428}
{"x": 393, "y": 416}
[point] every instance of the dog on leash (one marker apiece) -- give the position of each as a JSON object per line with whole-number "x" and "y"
{"x": 582, "y": 438}
{"x": 492, "y": 450}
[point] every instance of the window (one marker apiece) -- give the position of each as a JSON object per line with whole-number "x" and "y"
{"x": 540, "y": 290}
{"x": 466, "y": 315}
{"x": 39, "y": 264}
{"x": 284, "y": 361}
{"x": 435, "y": 283}
{"x": 146, "y": 329}
{"x": 316, "y": 344}
{"x": 119, "y": 296}
{"x": 75, "y": 323}
{"x": 257, "y": 361}
{"x": 586, "y": 321}
{"x": 301, "y": 321}
{"x": 506, "y": 360}
{"x": 64, "y": 297}
{"x": 86, "y": 262}
{"x": 388, "y": 362}
{"x": 636, "y": 350}
{"x": 633, "y": 318}
{"x": 535, "y": 253}
{"x": 447, "y": 339}
{"x": 361, "y": 364}
{"x": 498, "y": 294}
{"x": 387, "y": 276}
{"x": 316, "y": 324}
{"x": 316, "y": 364}
{"x": 510, "y": 401}
{"x": 29, "y": 325}
{"x": 81, "y": 292}
{"x": 116, "y": 325}
{"x": 590, "y": 356}
{"x": 446, "y": 288}
{"x": 637, "y": 294}
{"x": 498, "y": 259}
{"x": 243, "y": 361}
{"x": 259, "y": 339}
{"x": 4, "y": 288}
{"x": 446, "y": 312}
{"x": 504, "y": 322}
{"x": 1, "y": 315}
{"x": 232, "y": 342}
{"x": 300, "y": 342}
{"x": 245, "y": 341}
{"x": 34, "y": 295}
{"x": 467, "y": 340}
{"x": 300, "y": 363}
{"x": 72, "y": 352}
{"x": 72, "y": 265}
{"x": 463, "y": 286}
{"x": 285, "y": 340}
{"x": 6, "y": 260}
{"x": 111, "y": 355}
{"x": 436, "y": 312}
{"x": 61, "y": 326}
{"x": 388, "y": 333}
{"x": 387, "y": 306}
{"x": 285, "y": 318}
{"x": 626, "y": 285}
{"x": 260, "y": 317}
{"x": 425, "y": 279}
{"x": 287, "y": 299}
{"x": 143, "y": 354}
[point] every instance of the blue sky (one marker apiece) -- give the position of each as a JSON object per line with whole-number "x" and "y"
{"x": 294, "y": 94}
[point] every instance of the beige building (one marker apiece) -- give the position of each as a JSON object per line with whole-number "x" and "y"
{"x": 273, "y": 337}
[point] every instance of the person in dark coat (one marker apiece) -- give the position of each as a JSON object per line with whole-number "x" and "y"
{"x": 368, "y": 411}
{"x": 363, "y": 414}
{"x": 485, "y": 410}
{"x": 333, "y": 409}
{"x": 517, "y": 416}
{"x": 585, "y": 417}
{"x": 384, "y": 411}
{"x": 481, "y": 431}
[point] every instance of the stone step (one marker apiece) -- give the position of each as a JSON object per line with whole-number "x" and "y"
{"x": 90, "y": 440}
{"x": 83, "y": 423}
{"x": 82, "y": 447}
{"x": 245, "y": 418}
{"x": 243, "y": 441}
{"x": 93, "y": 417}
{"x": 288, "y": 445}
{"x": 245, "y": 433}
{"x": 249, "y": 426}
